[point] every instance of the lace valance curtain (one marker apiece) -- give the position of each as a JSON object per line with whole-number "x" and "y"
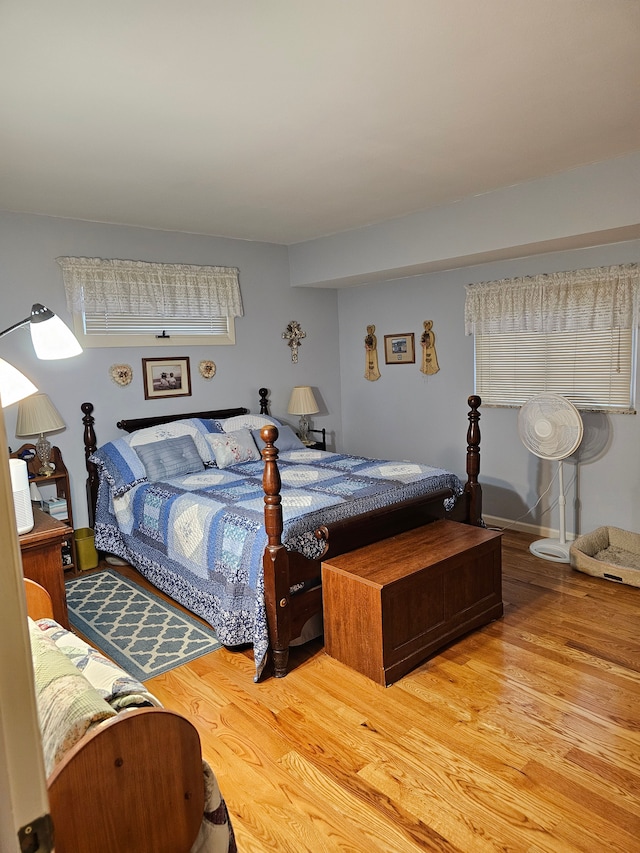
{"x": 582, "y": 300}
{"x": 97, "y": 286}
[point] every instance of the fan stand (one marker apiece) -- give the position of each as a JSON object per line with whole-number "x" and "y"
{"x": 555, "y": 549}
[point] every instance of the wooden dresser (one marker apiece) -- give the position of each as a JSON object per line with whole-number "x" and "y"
{"x": 41, "y": 550}
{"x": 390, "y": 605}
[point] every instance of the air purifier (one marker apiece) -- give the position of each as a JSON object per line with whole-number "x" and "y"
{"x": 21, "y": 495}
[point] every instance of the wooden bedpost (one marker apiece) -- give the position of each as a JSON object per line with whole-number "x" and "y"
{"x": 472, "y": 488}
{"x": 276, "y": 559}
{"x": 89, "y": 448}
{"x": 264, "y": 403}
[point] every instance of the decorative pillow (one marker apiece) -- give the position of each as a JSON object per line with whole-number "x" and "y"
{"x": 197, "y": 428}
{"x": 247, "y": 422}
{"x": 207, "y": 425}
{"x": 170, "y": 457}
{"x": 286, "y": 440}
{"x": 231, "y": 448}
{"x": 120, "y": 465}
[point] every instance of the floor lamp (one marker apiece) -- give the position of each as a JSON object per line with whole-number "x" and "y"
{"x": 51, "y": 339}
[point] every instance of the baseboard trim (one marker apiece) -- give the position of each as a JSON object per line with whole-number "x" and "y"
{"x": 523, "y": 527}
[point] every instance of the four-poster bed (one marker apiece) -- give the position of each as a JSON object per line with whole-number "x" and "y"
{"x": 289, "y": 588}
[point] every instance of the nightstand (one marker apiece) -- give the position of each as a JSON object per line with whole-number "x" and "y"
{"x": 321, "y": 443}
{"x": 54, "y": 486}
{"x": 42, "y": 559}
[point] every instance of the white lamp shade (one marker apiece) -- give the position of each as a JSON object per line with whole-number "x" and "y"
{"x": 14, "y": 386}
{"x": 37, "y": 415}
{"x": 51, "y": 339}
{"x": 302, "y": 401}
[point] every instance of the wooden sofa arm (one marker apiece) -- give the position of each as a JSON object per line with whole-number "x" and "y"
{"x": 39, "y": 604}
{"x": 134, "y": 782}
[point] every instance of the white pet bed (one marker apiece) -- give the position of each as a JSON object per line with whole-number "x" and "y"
{"x": 610, "y": 553}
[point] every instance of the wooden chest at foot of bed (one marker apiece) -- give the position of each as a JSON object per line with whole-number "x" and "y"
{"x": 390, "y": 605}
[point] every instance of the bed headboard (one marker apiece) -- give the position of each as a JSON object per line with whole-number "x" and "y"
{"x": 132, "y": 424}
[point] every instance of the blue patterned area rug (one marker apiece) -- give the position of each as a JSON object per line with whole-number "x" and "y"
{"x": 140, "y": 632}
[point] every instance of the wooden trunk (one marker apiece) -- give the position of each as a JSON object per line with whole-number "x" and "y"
{"x": 390, "y": 605}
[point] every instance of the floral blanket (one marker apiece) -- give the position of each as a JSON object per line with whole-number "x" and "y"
{"x": 200, "y": 537}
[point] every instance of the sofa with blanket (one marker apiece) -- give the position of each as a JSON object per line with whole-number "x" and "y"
{"x": 123, "y": 773}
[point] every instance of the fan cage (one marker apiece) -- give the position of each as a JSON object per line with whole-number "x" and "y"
{"x": 550, "y": 426}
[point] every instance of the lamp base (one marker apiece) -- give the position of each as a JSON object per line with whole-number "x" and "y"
{"x": 303, "y": 430}
{"x": 43, "y": 452}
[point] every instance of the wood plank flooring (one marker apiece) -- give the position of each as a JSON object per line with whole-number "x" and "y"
{"x": 523, "y": 736}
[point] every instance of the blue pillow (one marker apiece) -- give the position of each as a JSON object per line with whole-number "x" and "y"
{"x": 286, "y": 440}
{"x": 120, "y": 465}
{"x": 206, "y": 424}
{"x": 197, "y": 428}
{"x": 170, "y": 457}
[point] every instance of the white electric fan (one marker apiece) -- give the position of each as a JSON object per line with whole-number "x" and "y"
{"x": 550, "y": 427}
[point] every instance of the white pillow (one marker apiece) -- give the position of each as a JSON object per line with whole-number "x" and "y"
{"x": 232, "y": 448}
{"x": 247, "y": 422}
{"x": 286, "y": 440}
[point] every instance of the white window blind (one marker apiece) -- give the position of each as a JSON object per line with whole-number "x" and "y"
{"x": 568, "y": 333}
{"x": 115, "y": 323}
{"x": 592, "y": 369}
{"x": 118, "y": 302}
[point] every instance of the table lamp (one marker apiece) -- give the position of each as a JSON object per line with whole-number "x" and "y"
{"x": 37, "y": 415}
{"x": 303, "y": 403}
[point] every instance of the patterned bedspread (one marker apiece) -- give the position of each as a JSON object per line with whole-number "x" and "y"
{"x": 200, "y": 537}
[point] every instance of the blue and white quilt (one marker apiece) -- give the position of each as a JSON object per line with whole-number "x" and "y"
{"x": 200, "y": 537}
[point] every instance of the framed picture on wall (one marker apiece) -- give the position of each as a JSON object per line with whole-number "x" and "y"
{"x": 399, "y": 349}
{"x": 166, "y": 377}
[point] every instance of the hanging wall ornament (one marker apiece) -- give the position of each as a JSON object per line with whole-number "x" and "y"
{"x": 207, "y": 369}
{"x": 293, "y": 335}
{"x": 122, "y": 374}
{"x": 429, "y": 356}
{"x": 371, "y": 371}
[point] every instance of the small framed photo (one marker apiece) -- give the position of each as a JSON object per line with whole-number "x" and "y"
{"x": 399, "y": 349}
{"x": 166, "y": 377}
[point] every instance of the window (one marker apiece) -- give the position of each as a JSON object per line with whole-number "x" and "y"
{"x": 568, "y": 333}
{"x": 592, "y": 369}
{"x": 113, "y": 329}
{"x": 136, "y": 303}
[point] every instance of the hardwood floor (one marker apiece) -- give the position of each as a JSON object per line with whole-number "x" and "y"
{"x": 523, "y": 736}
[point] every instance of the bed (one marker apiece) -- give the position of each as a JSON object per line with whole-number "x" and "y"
{"x": 245, "y": 552}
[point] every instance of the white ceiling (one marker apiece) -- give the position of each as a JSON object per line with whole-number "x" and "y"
{"x": 285, "y": 120}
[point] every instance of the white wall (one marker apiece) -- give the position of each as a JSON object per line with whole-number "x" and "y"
{"x": 586, "y": 206}
{"x": 29, "y": 273}
{"x": 405, "y": 414}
